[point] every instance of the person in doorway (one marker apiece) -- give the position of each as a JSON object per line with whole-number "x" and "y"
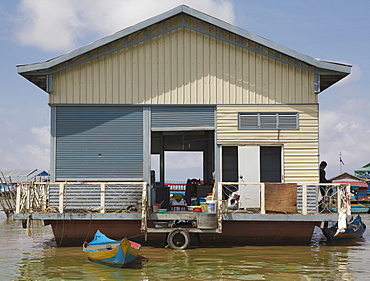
{"x": 326, "y": 191}
{"x": 323, "y": 179}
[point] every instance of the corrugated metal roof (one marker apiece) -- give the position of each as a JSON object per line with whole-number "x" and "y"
{"x": 22, "y": 175}
{"x": 330, "y": 73}
{"x": 365, "y": 168}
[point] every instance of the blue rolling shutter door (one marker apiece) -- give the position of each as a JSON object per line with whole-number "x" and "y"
{"x": 99, "y": 143}
{"x": 186, "y": 117}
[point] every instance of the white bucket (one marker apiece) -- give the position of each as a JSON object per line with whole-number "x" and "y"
{"x": 211, "y": 206}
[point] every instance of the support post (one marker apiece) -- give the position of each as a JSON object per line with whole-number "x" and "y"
{"x": 304, "y": 199}
{"x": 219, "y": 207}
{"x": 339, "y": 198}
{"x": 28, "y": 197}
{"x": 263, "y": 200}
{"x": 44, "y": 189}
{"x": 102, "y": 198}
{"x": 18, "y": 201}
{"x": 61, "y": 197}
{"x": 144, "y": 211}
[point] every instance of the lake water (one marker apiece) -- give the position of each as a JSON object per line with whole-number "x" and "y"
{"x": 37, "y": 258}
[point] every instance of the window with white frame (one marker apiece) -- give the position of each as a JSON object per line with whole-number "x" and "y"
{"x": 268, "y": 120}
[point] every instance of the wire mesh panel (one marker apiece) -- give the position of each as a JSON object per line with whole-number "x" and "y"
{"x": 99, "y": 197}
{"x": 123, "y": 197}
{"x": 312, "y": 199}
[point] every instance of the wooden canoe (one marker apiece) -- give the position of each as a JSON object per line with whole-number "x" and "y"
{"x": 111, "y": 252}
{"x": 355, "y": 229}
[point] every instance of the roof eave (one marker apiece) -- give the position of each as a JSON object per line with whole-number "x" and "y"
{"x": 338, "y": 71}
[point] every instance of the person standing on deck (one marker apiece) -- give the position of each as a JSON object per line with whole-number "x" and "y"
{"x": 326, "y": 192}
{"x": 323, "y": 179}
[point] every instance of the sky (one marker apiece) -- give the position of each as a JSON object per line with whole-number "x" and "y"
{"x": 333, "y": 30}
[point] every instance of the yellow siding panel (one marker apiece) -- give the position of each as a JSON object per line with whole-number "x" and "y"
{"x": 183, "y": 67}
{"x": 300, "y": 146}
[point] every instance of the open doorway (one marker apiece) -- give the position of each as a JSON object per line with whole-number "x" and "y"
{"x": 183, "y": 165}
{"x": 182, "y": 155}
{"x": 180, "y": 165}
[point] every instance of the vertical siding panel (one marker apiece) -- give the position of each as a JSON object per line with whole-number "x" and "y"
{"x": 62, "y": 90}
{"x": 181, "y": 66}
{"x": 155, "y": 69}
{"x": 258, "y": 79}
{"x": 285, "y": 82}
{"x": 278, "y": 82}
{"x": 239, "y": 75}
{"x": 66, "y": 98}
{"x": 161, "y": 69}
{"x": 305, "y": 89}
{"x": 207, "y": 70}
{"x": 95, "y": 96}
{"x": 199, "y": 94}
{"x": 213, "y": 62}
{"x": 298, "y": 87}
{"x": 115, "y": 78}
{"x": 57, "y": 88}
{"x": 174, "y": 67}
{"x": 109, "y": 79}
{"x": 167, "y": 69}
{"x": 246, "y": 77}
{"x": 226, "y": 73}
{"x": 291, "y": 84}
{"x": 128, "y": 76}
{"x": 90, "y": 83}
{"x": 219, "y": 74}
{"x": 122, "y": 71}
{"x": 141, "y": 73}
{"x": 272, "y": 81}
{"x": 148, "y": 72}
{"x": 193, "y": 67}
{"x": 265, "y": 80}
{"x": 82, "y": 83}
{"x": 74, "y": 95}
{"x": 187, "y": 66}
{"x": 219, "y": 92}
{"x": 311, "y": 91}
{"x": 102, "y": 78}
{"x": 135, "y": 75}
{"x": 232, "y": 73}
{"x": 252, "y": 77}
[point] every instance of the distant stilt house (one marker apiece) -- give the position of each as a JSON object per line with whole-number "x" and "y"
{"x": 359, "y": 187}
{"x": 364, "y": 172}
{"x": 10, "y": 179}
{"x": 23, "y": 175}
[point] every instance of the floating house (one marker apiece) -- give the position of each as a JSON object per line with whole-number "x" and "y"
{"x": 363, "y": 172}
{"x": 23, "y": 175}
{"x": 360, "y": 191}
{"x": 183, "y": 81}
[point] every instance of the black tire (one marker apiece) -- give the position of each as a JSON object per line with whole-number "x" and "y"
{"x": 178, "y": 239}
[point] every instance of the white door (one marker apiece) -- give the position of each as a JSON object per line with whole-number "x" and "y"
{"x": 249, "y": 172}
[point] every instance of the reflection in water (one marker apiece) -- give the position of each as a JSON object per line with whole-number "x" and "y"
{"x": 37, "y": 258}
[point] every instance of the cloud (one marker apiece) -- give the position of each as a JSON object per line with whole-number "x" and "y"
{"x": 356, "y": 75}
{"x": 19, "y": 152}
{"x": 41, "y": 134}
{"x": 66, "y": 24}
{"x": 345, "y": 130}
